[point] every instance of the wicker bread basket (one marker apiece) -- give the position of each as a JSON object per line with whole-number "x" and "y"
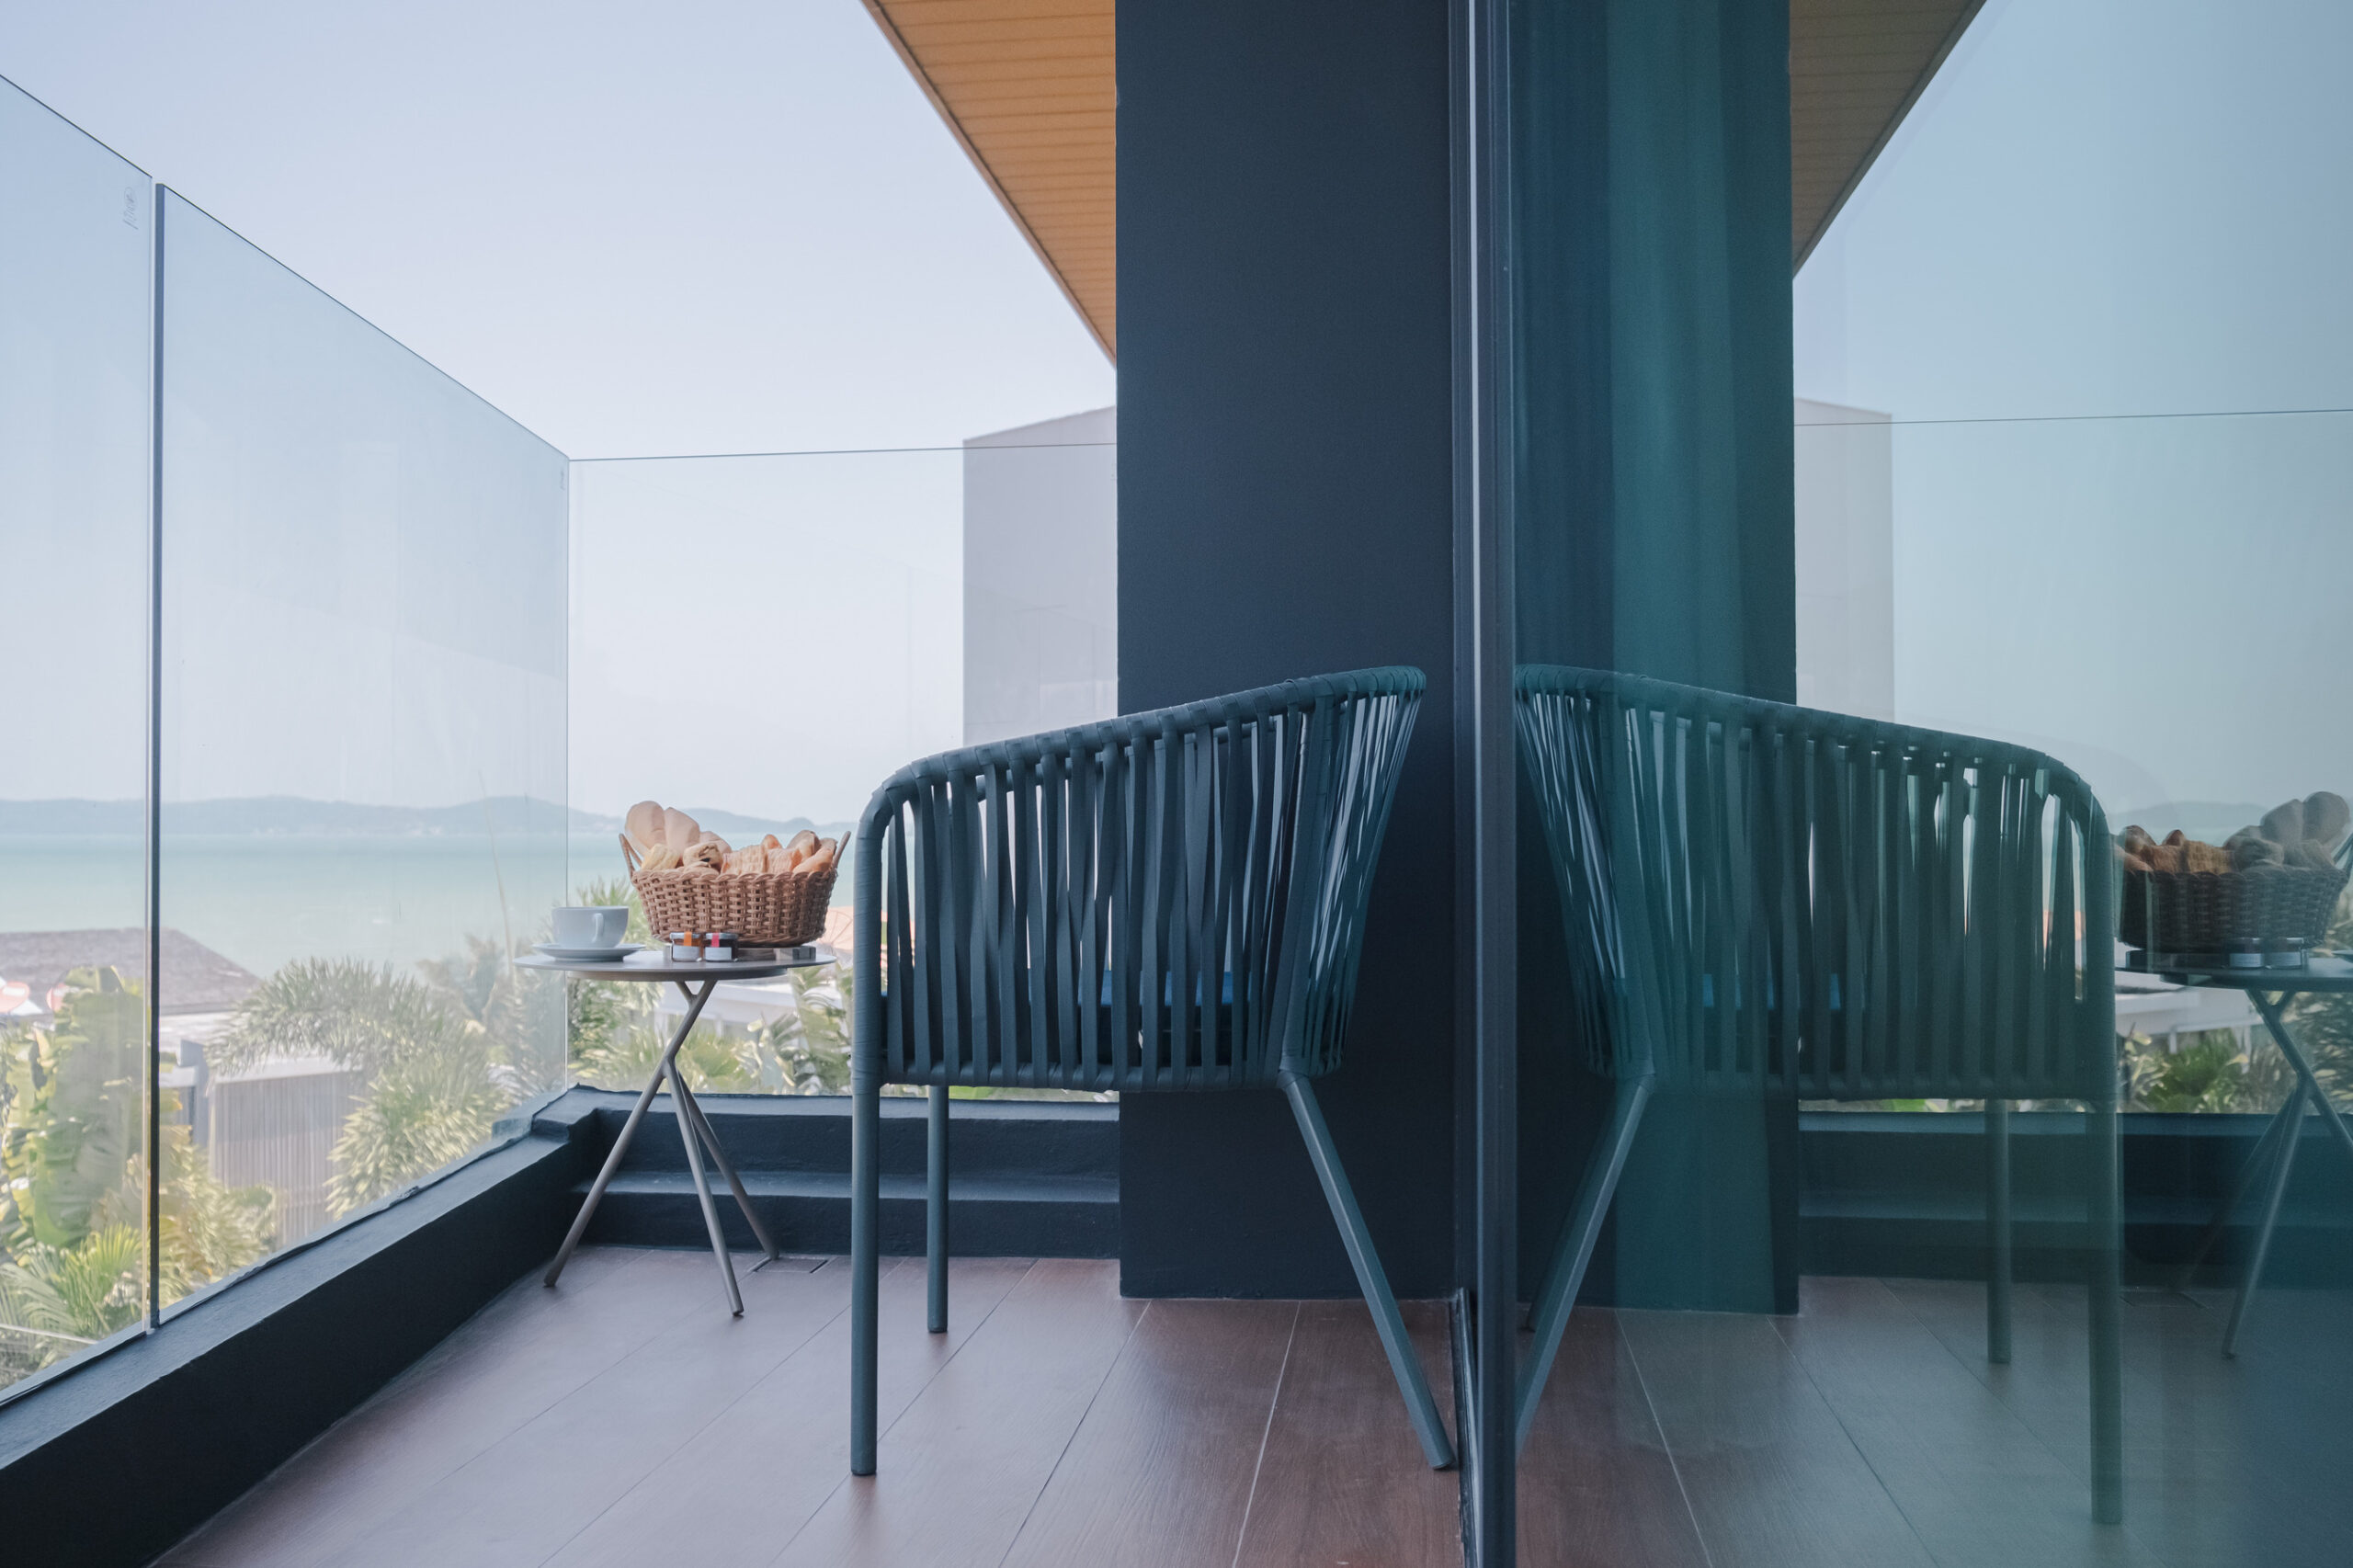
{"x": 782, "y": 909}
{"x": 2205, "y": 912}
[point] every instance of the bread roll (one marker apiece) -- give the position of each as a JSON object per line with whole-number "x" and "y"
{"x": 706, "y": 854}
{"x": 2284, "y": 823}
{"x": 679, "y": 831}
{"x": 818, "y": 860}
{"x": 801, "y": 846}
{"x": 2135, "y": 839}
{"x": 660, "y": 858}
{"x": 772, "y": 842}
{"x": 2311, "y": 854}
{"x": 2327, "y": 818}
{"x": 2249, "y": 848}
{"x": 643, "y": 826}
{"x": 2197, "y": 857}
{"x": 2164, "y": 857}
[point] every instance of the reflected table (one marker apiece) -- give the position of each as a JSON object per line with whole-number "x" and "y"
{"x": 2275, "y": 1155}
{"x": 695, "y": 1131}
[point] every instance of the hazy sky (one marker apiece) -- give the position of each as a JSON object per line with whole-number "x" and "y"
{"x": 709, "y": 225}
{"x": 2099, "y": 212}
{"x": 702, "y": 228}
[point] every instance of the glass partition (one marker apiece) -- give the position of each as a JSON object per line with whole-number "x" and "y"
{"x": 760, "y": 641}
{"x": 76, "y": 243}
{"x": 363, "y": 754}
{"x": 1922, "y": 1159}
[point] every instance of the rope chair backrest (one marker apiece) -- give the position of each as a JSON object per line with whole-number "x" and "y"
{"x": 1173, "y": 900}
{"x": 1761, "y": 898}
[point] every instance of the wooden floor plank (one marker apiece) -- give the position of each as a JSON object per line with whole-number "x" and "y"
{"x": 1976, "y": 1483}
{"x": 958, "y": 1472}
{"x": 523, "y": 1497}
{"x": 1343, "y": 1479}
{"x": 741, "y": 1487}
{"x": 1159, "y": 1473}
{"x": 528, "y": 1348}
{"x": 1772, "y": 1479}
{"x": 1596, "y": 1487}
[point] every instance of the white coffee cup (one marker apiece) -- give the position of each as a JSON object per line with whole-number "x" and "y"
{"x": 591, "y": 925}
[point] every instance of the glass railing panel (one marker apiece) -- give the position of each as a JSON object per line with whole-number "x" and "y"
{"x": 362, "y": 752}
{"x": 76, "y": 243}
{"x": 761, "y": 640}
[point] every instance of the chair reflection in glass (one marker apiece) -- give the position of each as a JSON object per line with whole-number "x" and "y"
{"x": 1767, "y": 900}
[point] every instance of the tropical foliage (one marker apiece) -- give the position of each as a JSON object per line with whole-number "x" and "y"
{"x": 442, "y": 1055}
{"x": 72, "y": 1248}
{"x": 618, "y": 1030}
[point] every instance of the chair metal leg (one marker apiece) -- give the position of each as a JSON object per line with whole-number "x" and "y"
{"x": 2283, "y": 1162}
{"x": 1997, "y": 1224}
{"x": 865, "y": 1261}
{"x": 1550, "y": 1315}
{"x": 935, "y": 1240}
{"x": 1370, "y": 1277}
{"x": 2106, "y": 1304}
{"x": 629, "y": 1133}
{"x": 726, "y": 1167}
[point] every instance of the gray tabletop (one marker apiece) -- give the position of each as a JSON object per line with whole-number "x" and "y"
{"x": 2317, "y": 974}
{"x": 748, "y": 969}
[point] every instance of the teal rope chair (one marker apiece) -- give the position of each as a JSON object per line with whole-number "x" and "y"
{"x": 1169, "y": 901}
{"x": 1762, "y": 899}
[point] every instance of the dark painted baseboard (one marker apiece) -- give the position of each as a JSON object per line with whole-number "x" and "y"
{"x": 1896, "y": 1193}
{"x": 1027, "y": 1178}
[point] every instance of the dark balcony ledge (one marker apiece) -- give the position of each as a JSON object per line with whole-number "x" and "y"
{"x": 237, "y": 1380}
{"x": 227, "y": 1388}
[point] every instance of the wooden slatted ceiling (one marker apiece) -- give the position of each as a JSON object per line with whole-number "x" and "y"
{"x": 1031, "y": 89}
{"x": 1856, "y": 68}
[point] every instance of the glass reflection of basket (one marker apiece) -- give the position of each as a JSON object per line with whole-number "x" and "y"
{"x": 2209, "y": 911}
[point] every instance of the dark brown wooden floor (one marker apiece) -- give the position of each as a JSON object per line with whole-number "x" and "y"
{"x": 625, "y": 1418}
{"x": 1869, "y": 1431}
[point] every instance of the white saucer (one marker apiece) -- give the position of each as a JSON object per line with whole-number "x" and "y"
{"x": 589, "y": 955}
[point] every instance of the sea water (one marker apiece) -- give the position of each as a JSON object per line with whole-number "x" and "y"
{"x": 261, "y": 900}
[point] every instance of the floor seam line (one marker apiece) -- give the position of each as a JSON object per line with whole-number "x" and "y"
{"x": 687, "y": 1440}
{"x": 1076, "y": 1426}
{"x": 957, "y": 1351}
{"x": 1274, "y": 1402}
{"x": 1674, "y": 1465}
{"x": 1831, "y": 1409}
{"x": 476, "y": 1458}
{"x": 801, "y": 1529}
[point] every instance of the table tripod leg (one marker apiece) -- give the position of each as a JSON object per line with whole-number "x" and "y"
{"x": 687, "y": 1136}
{"x": 2273, "y": 1021}
{"x": 2258, "y": 1160}
{"x": 605, "y": 1177}
{"x": 2282, "y": 1163}
{"x": 727, "y": 1169}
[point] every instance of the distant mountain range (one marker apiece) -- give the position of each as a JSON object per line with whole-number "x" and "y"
{"x": 290, "y": 815}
